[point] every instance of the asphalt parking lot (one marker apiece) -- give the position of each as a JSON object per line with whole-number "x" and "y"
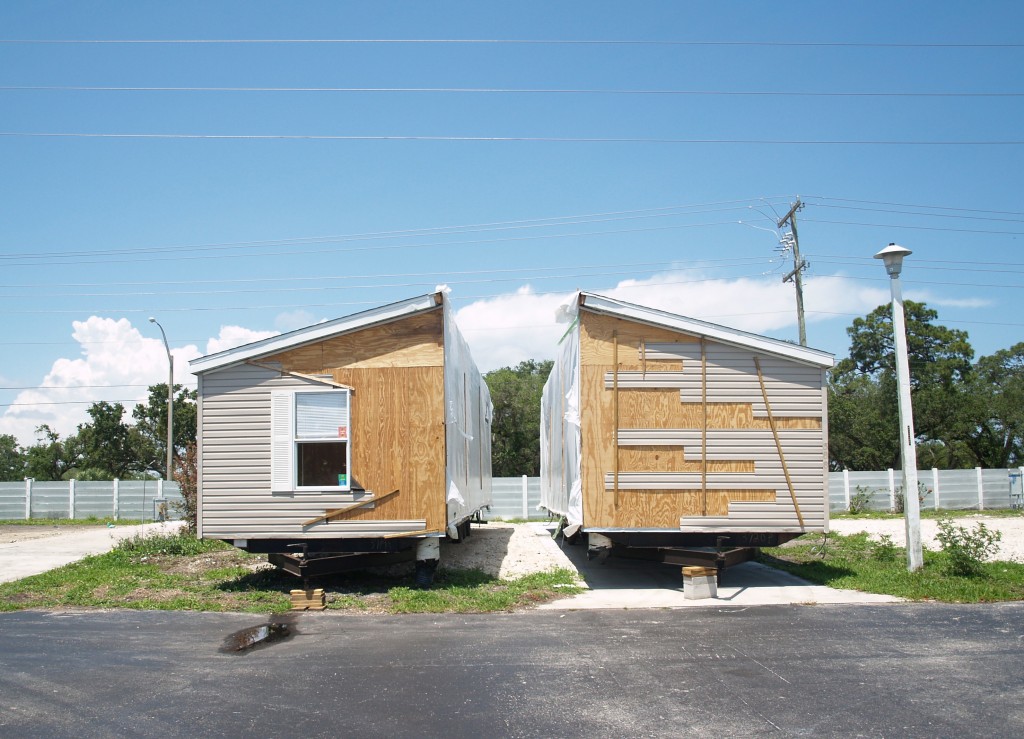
{"x": 866, "y": 670}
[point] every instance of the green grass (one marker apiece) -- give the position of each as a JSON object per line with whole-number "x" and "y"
{"x": 932, "y": 513}
{"x": 855, "y": 562}
{"x": 89, "y": 521}
{"x": 179, "y": 572}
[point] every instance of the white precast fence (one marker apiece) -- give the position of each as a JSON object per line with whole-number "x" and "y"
{"x": 979, "y": 489}
{"x": 513, "y": 497}
{"x": 136, "y": 500}
{"x": 516, "y": 497}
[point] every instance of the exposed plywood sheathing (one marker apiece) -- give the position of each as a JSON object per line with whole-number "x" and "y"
{"x": 416, "y": 341}
{"x": 398, "y": 439}
{"x": 707, "y": 449}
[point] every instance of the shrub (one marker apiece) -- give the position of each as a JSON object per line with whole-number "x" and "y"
{"x": 966, "y": 550}
{"x": 885, "y": 550}
{"x": 860, "y": 502}
{"x": 901, "y": 501}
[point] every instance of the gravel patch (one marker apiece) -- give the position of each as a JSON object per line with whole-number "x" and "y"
{"x": 1010, "y": 548}
{"x": 505, "y": 550}
{"x": 11, "y": 534}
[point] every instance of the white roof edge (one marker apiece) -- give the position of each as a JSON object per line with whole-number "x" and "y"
{"x": 610, "y": 306}
{"x": 316, "y": 332}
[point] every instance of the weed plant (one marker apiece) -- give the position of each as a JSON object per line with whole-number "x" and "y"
{"x": 966, "y": 551}
{"x": 858, "y": 563}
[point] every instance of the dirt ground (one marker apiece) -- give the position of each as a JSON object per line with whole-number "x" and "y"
{"x": 13, "y": 534}
{"x": 1011, "y": 547}
{"x": 502, "y": 549}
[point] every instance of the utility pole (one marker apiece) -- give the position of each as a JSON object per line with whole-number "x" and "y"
{"x": 799, "y": 265}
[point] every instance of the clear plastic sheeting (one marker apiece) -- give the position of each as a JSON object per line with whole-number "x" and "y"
{"x": 467, "y": 428}
{"x": 561, "y": 486}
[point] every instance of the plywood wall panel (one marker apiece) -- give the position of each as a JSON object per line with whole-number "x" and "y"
{"x": 657, "y": 433}
{"x": 415, "y": 341}
{"x": 398, "y": 440}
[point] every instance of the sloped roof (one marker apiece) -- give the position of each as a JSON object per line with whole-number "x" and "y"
{"x": 317, "y": 332}
{"x": 620, "y": 309}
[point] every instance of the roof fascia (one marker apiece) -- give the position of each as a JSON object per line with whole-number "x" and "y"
{"x": 317, "y": 332}
{"x": 600, "y": 304}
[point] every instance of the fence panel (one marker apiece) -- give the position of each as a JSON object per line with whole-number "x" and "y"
{"x": 12, "y": 500}
{"x": 137, "y": 499}
{"x": 507, "y": 498}
{"x": 958, "y": 489}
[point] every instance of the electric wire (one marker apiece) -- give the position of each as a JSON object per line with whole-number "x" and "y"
{"x": 516, "y": 139}
{"x": 521, "y": 91}
{"x": 526, "y": 42}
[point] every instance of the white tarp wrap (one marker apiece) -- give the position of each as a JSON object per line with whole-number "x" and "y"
{"x": 467, "y": 427}
{"x": 454, "y": 496}
{"x": 561, "y": 489}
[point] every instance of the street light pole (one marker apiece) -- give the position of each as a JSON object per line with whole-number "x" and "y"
{"x": 169, "y": 475}
{"x": 893, "y": 255}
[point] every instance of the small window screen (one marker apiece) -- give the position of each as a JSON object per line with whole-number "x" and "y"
{"x": 321, "y": 415}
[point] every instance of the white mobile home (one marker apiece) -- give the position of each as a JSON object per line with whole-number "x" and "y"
{"x": 663, "y": 431}
{"x": 369, "y": 433}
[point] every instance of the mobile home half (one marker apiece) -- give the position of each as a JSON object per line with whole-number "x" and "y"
{"x": 368, "y": 433}
{"x": 664, "y": 431}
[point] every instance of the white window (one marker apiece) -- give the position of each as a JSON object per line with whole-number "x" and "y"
{"x": 311, "y": 440}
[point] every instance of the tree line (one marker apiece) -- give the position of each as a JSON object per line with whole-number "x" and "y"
{"x": 967, "y": 413}
{"x": 107, "y": 446}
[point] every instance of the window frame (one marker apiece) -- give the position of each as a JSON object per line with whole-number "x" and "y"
{"x": 285, "y": 430}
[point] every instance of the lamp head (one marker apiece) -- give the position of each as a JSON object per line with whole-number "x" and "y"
{"x": 893, "y": 255}
{"x": 152, "y": 320}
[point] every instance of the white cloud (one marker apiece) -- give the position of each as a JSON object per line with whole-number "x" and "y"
{"x": 117, "y": 363}
{"x": 291, "y": 320}
{"x": 505, "y": 330}
{"x": 232, "y": 336}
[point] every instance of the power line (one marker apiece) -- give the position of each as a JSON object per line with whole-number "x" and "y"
{"x": 67, "y": 402}
{"x": 916, "y": 205}
{"x": 871, "y": 260}
{"x": 324, "y": 288}
{"x": 517, "y": 91}
{"x": 525, "y": 42}
{"x": 917, "y": 265}
{"x": 920, "y": 213}
{"x": 70, "y": 387}
{"x": 391, "y": 247}
{"x": 511, "y": 139}
{"x": 457, "y": 230}
{"x": 915, "y": 228}
{"x": 523, "y": 273}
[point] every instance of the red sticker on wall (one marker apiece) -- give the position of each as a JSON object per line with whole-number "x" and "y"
{"x": 342, "y": 432}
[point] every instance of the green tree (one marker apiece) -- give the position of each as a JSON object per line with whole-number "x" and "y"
{"x": 936, "y": 353}
{"x": 108, "y": 445}
{"x": 992, "y": 427}
{"x": 862, "y": 422}
{"x": 515, "y": 430}
{"x": 12, "y": 459}
{"x": 863, "y": 418}
{"x": 151, "y": 425}
{"x": 50, "y": 458}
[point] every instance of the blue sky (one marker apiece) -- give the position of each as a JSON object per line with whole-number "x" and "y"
{"x": 652, "y": 171}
